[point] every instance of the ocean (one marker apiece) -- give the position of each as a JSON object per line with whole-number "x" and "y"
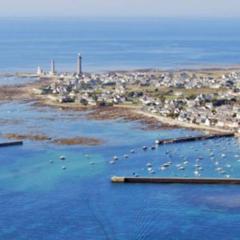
{"x": 107, "y": 44}
{"x": 39, "y": 200}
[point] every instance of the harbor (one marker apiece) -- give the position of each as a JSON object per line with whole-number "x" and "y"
{"x": 128, "y": 106}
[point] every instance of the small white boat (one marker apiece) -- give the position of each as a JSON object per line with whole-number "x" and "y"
{"x": 166, "y": 164}
{"x": 125, "y": 156}
{"x": 181, "y": 168}
{"x": 62, "y": 157}
{"x": 64, "y": 167}
{"x": 144, "y": 148}
{"x": 115, "y": 158}
{"x": 157, "y": 141}
{"x": 132, "y": 151}
{"x": 197, "y": 173}
{"x": 152, "y": 172}
{"x": 149, "y": 169}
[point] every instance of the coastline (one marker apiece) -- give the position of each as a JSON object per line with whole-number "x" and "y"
{"x": 174, "y": 122}
{"x": 27, "y": 92}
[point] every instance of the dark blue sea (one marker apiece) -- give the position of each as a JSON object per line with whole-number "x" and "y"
{"x": 118, "y": 43}
{"x": 40, "y": 200}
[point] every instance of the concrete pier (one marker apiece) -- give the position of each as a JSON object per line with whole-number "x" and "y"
{"x": 10, "y": 144}
{"x": 195, "y": 138}
{"x": 175, "y": 180}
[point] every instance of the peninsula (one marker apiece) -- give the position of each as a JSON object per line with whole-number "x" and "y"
{"x": 207, "y": 99}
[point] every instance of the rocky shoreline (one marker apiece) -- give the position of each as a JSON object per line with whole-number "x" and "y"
{"x": 86, "y": 141}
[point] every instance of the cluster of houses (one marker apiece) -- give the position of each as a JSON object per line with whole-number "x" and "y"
{"x": 219, "y": 107}
{"x": 213, "y": 110}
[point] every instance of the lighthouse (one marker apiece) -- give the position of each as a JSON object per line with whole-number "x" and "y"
{"x": 53, "y": 69}
{"x": 39, "y": 71}
{"x": 79, "y": 65}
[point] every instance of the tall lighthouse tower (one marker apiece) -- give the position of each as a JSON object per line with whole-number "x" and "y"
{"x": 52, "y": 69}
{"x": 79, "y": 65}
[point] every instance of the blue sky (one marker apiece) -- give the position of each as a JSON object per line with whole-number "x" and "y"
{"x": 121, "y": 8}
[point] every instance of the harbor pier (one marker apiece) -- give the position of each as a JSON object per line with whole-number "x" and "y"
{"x": 175, "y": 180}
{"x": 10, "y": 144}
{"x": 194, "y": 138}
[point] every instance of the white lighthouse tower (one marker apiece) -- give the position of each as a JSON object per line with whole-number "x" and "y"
{"x": 79, "y": 65}
{"x": 39, "y": 71}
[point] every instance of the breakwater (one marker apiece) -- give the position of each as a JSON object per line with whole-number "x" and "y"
{"x": 195, "y": 138}
{"x": 10, "y": 144}
{"x": 175, "y": 180}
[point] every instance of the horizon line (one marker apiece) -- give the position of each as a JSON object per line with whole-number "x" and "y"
{"x": 124, "y": 17}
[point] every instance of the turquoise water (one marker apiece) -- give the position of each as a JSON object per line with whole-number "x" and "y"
{"x": 118, "y": 44}
{"x": 40, "y": 200}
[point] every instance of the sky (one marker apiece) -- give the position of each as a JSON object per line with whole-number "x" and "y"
{"x": 121, "y": 8}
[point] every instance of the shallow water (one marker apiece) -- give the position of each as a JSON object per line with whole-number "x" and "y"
{"x": 6, "y": 80}
{"x": 40, "y": 200}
